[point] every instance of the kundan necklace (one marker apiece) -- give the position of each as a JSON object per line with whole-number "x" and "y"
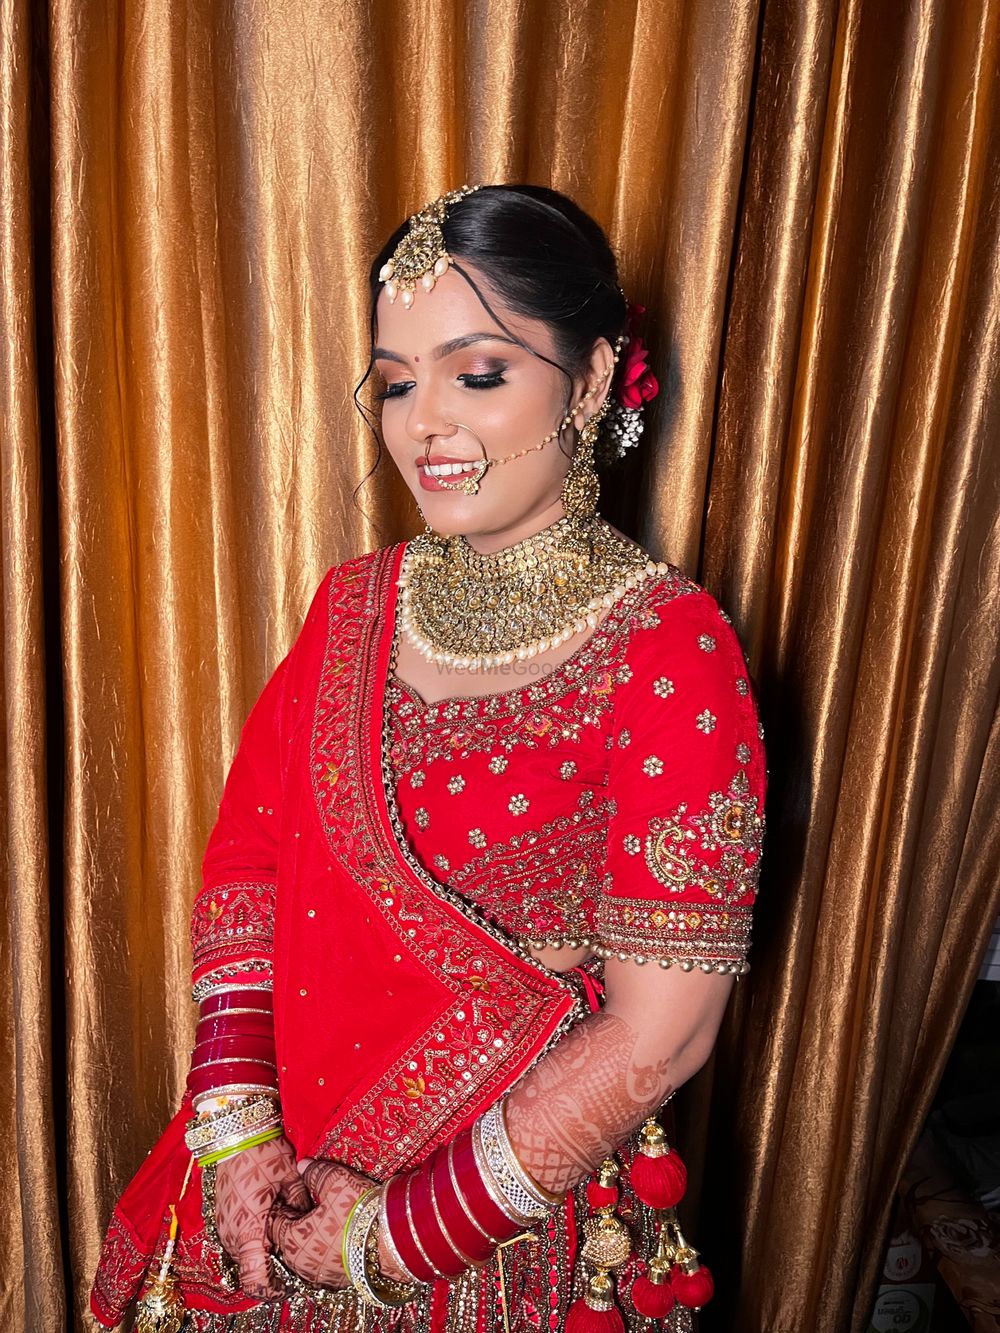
{"x": 464, "y": 608}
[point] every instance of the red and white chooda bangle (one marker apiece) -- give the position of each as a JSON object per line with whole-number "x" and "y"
{"x": 470, "y": 1196}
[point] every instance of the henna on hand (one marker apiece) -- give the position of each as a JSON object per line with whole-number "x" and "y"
{"x": 247, "y": 1184}
{"x": 310, "y": 1243}
{"x": 588, "y": 1095}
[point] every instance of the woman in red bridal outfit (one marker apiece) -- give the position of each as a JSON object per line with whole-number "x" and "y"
{"x": 485, "y": 861}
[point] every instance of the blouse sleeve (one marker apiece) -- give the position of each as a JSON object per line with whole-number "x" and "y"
{"x": 232, "y": 920}
{"x": 688, "y": 777}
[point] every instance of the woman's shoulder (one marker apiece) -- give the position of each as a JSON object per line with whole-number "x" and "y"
{"x": 675, "y": 615}
{"x": 357, "y": 566}
{"x": 347, "y": 578}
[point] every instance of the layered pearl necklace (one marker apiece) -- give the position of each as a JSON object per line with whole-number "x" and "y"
{"x": 460, "y": 607}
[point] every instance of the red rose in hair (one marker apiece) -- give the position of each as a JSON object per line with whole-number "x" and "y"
{"x": 637, "y": 384}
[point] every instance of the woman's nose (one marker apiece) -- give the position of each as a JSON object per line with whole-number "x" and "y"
{"x": 426, "y": 416}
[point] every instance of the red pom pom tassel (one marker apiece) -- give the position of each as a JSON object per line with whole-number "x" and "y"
{"x": 658, "y": 1175}
{"x": 596, "y": 1312}
{"x": 603, "y": 1192}
{"x": 691, "y": 1281}
{"x": 652, "y": 1294}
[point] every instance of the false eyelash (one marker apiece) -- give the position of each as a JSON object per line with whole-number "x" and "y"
{"x": 490, "y": 381}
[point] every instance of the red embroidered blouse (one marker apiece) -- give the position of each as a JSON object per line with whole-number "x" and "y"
{"x": 617, "y": 801}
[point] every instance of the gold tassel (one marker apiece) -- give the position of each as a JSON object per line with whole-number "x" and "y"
{"x": 161, "y": 1306}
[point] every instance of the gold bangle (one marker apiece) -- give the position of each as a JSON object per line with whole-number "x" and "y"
{"x": 390, "y": 1292}
{"x": 372, "y": 1286}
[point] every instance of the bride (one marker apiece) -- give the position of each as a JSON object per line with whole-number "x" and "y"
{"x": 484, "y": 866}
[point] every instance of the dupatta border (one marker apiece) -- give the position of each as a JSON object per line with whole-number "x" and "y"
{"x": 506, "y": 1008}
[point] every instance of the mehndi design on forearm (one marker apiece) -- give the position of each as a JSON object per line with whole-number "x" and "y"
{"x": 584, "y": 1100}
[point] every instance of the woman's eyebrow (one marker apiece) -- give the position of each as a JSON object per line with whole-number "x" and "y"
{"x": 446, "y": 348}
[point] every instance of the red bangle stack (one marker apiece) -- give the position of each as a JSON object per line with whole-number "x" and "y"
{"x": 234, "y": 1043}
{"x": 442, "y": 1218}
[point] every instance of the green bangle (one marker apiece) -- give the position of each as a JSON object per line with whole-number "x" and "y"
{"x": 347, "y": 1230}
{"x": 263, "y": 1137}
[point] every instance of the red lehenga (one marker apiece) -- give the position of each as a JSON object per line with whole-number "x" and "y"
{"x": 386, "y": 860}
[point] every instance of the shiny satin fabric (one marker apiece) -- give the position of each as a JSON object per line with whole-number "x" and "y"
{"x": 803, "y": 195}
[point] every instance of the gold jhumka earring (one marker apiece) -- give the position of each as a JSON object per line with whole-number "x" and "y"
{"x": 466, "y": 608}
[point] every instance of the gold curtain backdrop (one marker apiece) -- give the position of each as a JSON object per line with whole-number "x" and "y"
{"x": 803, "y": 193}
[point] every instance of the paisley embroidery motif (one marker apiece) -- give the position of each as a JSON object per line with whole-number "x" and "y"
{"x": 730, "y": 824}
{"x": 543, "y": 883}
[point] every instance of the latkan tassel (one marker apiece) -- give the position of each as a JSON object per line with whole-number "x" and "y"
{"x": 603, "y": 1192}
{"x": 161, "y": 1309}
{"x": 657, "y": 1174}
{"x": 596, "y": 1311}
{"x": 691, "y": 1281}
{"x": 652, "y": 1293}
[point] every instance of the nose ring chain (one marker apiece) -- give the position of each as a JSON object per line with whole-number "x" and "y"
{"x": 469, "y": 482}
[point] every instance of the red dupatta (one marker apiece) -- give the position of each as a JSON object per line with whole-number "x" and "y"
{"x": 400, "y": 1011}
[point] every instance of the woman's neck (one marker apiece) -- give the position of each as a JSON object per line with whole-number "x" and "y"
{"x": 487, "y": 543}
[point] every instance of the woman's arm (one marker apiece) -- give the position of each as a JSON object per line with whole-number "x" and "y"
{"x": 596, "y": 1087}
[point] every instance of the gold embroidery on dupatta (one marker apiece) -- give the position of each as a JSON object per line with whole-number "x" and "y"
{"x": 496, "y": 1011}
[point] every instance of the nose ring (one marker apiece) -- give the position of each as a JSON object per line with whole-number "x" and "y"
{"x": 468, "y": 482}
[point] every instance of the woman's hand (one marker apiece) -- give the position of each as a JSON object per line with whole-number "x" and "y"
{"x": 247, "y": 1184}
{"x": 310, "y": 1243}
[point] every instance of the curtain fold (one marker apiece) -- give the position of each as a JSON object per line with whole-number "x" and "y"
{"x": 803, "y": 195}
{"x": 32, "y": 1159}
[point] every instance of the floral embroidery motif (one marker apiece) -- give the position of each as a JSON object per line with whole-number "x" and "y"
{"x": 662, "y": 687}
{"x": 706, "y": 721}
{"x": 632, "y": 844}
{"x": 477, "y": 837}
{"x": 456, "y": 784}
{"x": 624, "y": 736}
{"x": 743, "y": 752}
{"x": 652, "y": 766}
{"x": 417, "y": 777}
{"x": 498, "y": 763}
{"x": 422, "y": 817}
{"x": 743, "y": 686}
{"x": 567, "y": 768}
{"x": 518, "y": 804}
{"x": 706, "y": 643}
{"x": 230, "y": 920}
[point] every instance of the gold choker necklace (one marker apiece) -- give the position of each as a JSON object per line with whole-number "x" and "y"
{"x": 464, "y": 608}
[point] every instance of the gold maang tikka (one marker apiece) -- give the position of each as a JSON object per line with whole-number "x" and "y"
{"x": 461, "y": 607}
{"x": 421, "y": 256}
